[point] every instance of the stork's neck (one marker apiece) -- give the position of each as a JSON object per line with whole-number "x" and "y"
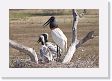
{"x": 52, "y": 28}
{"x": 42, "y": 43}
{"x": 46, "y": 40}
{"x": 53, "y": 25}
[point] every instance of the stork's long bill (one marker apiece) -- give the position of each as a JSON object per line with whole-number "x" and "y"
{"x": 52, "y": 23}
{"x": 39, "y": 40}
{"x": 46, "y": 23}
{"x": 49, "y": 21}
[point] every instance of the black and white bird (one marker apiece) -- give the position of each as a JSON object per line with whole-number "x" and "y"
{"x": 58, "y": 36}
{"x": 52, "y": 47}
{"x": 44, "y": 50}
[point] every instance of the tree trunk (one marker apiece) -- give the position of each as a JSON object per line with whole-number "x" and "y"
{"x": 74, "y": 27}
{"x": 75, "y": 43}
{"x": 29, "y": 51}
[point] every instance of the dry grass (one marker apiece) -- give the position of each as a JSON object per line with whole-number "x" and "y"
{"x": 25, "y": 30}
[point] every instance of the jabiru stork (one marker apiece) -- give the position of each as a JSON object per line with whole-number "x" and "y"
{"x": 58, "y": 36}
{"x": 50, "y": 45}
{"x": 44, "y": 51}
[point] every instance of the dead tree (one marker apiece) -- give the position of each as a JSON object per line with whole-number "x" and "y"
{"x": 75, "y": 44}
{"x": 74, "y": 27}
{"x": 27, "y": 50}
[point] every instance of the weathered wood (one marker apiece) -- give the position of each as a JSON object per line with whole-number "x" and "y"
{"x": 75, "y": 43}
{"x": 86, "y": 38}
{"x": 70, "y": 53}
{"x": 74, "y": 27}
{"x": 74, "y": 46}
{"x": 27, "y": 50}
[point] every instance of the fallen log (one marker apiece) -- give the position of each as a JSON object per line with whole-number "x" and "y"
{"x": 27, "y": 50}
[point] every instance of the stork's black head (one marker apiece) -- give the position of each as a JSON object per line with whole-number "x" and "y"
{"x": 41, "y": 39}
{"x": 52, "y": 23}
{"x": 52, "y": 19}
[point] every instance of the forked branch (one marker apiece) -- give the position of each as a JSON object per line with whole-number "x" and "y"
{"x": 75, "y": 43}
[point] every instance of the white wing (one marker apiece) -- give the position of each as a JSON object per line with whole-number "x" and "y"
{"x": 45, "y": 52}
{"x": 59, "y": 38}
{"x": 53, "y": 48}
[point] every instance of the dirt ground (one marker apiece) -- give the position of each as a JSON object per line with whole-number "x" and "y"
{"x": 25, "y": 30}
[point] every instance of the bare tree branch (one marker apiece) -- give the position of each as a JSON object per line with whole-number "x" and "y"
{"x": 74, "y": 27}
{"x": 27, "y": 50}
{"x": 86, "y": 38}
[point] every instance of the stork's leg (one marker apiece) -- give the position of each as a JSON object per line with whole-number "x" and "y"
{"x": 57, "y": 52}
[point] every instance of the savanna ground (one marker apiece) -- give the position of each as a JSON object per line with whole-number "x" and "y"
{"x": 26, "y": 25}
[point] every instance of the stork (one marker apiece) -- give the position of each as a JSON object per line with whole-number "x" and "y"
{"x": 58, "y": 36}
{"x": 50, "y": 45}
{"x": 44, "y": 51}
